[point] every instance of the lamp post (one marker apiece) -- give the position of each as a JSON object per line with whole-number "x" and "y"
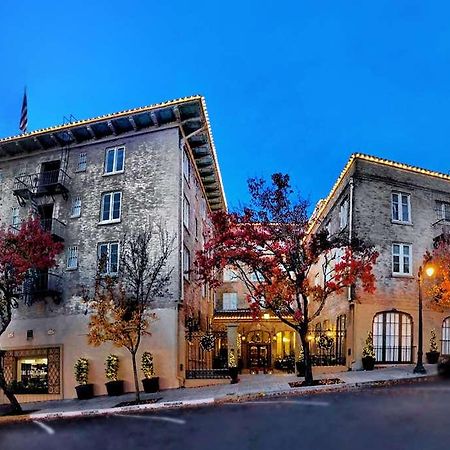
{"x": 429, "y": 270}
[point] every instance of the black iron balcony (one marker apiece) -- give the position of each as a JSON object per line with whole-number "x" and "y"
{"x": 41, "y": 285}
{"x": 44, "y": 183}
{"x": 55, "y": 227}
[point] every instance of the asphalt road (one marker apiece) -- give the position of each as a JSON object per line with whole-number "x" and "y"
{"x": 403, "y": 417}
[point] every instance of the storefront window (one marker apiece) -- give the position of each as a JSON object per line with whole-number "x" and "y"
{"x": 32, "y": 376}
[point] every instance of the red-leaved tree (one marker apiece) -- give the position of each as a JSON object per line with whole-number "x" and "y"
{"x": 295, "y": 270}
{"x": 439, "y": 286}
{"x": 30, "y": 248}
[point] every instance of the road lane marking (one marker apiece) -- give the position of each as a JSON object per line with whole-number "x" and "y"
{"x": 45, "y": 427}
{"x": 431, "y": 388}
{"x": 162, "y": 418}
{"x": 293, "y": 402}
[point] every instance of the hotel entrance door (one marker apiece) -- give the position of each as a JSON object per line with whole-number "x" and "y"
{"x": 258, "y": 357}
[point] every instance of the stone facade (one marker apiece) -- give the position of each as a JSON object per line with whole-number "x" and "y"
{"x": 164, "y": 169}
{"x": 372, "y": 187}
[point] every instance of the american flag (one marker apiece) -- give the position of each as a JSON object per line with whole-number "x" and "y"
{"x": 23, "y": 125}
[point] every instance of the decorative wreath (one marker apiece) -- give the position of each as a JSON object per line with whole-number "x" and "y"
{"x": 207, "y": 342}
{"x": 325, "y": 342}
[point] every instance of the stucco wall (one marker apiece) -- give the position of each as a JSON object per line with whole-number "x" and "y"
{"x": 151, "y": 187}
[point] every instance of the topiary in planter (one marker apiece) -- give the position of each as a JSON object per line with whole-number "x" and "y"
{"x": 368, "y": 353}
{"x": 433, "y": 354}
{"x": 114, "y": 386}
{"x": 81, "y": 370}
{"x": 150, "y": 382}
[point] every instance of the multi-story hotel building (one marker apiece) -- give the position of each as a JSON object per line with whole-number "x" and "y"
{"x": 396, "y": 207}
{"x": 400, "y": 209}
{"x": 91, "y": 181}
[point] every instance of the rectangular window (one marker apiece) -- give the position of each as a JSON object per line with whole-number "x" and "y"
{"x": 186, "y": 263}
{"x": 343, "y": 214}
{"x": 443, "y": 211}
{"x": 114, "y": 160}
{"x": 229, "y": 301}
{"x": 401, "y": 207}
{"x": 15, "y": 217}
{"x": 111, "y": 207}
{"x": 108, "y": 258}
{"x": 82, "y": 162}
{"x": 256, "y": 277}
{"x": 186, "y": 212}
{"x": 229, "y": 275}
{"x": 76, "y": 207}
{"x": 186, "y": 167}
{"x": 72, "y": 257}
{"x": 32, "y": 374}
{"x": 401, "y": 259}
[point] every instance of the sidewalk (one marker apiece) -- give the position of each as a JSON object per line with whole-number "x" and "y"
{"x": 249, "y": 386}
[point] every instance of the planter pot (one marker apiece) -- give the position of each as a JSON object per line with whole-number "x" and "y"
{"x": 150, "y": 384}
{"x": 300, "y": 368}
{"x": 85, "y": 391}
{"x": 114, "y": 388}
{"x": 368, "y": 363}
{"x": 432, "y": 357}
{"x": 233, "y": 372}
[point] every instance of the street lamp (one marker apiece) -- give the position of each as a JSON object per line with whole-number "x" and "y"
{"x": 429, "y": 270}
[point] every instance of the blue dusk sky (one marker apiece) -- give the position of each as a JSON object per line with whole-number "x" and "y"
{"x": 290, "y": 86}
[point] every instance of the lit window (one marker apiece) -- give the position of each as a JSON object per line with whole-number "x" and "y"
{"x": 111, "y": 207}
{"x": 401, "y": 259}
{"x": 76, "y": 207}
{"x": 114, "y": 160}
{"x": 401, "y": 207}
{"x": 343, "y": 214}
{"x": 72, "y": 257}
{"x": 186, "y": 212}
{"x": 82, "y": 162}
{"x": 108, "y": 257}
{"x": 32, "y": 375}
{"x": 186, "y": 263}
{"x": 229, "y": 301}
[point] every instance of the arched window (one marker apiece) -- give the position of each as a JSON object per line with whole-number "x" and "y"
{"x": 392, "y": 337}
{"x": 445, "y": 348}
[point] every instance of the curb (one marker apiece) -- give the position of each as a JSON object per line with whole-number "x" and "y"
{"x": 106, "y": 411}
{"x": 308, "y": 390}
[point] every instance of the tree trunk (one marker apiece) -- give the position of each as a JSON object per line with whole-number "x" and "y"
{"x": 135, "y": 374}
{"x": 303, "y": 331}
{"x": 16, "y": 408}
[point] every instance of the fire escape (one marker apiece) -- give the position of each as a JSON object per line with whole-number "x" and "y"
{"x": 40, "y": 190}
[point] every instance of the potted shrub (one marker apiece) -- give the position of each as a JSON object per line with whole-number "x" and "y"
{"x": 368, "y": 353}
{"x": 84, "y": 389}
{"x": 150, "y": 382}
{"x": 433, "y": 354}
{"x": 233, "y": 370}
{"x": 113, "y": 386}
{"x": 300, "y": 363}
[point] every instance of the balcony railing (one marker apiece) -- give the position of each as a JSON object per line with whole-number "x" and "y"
{"x": 55, "y": 227}
{"x": 43, "y": 183}
{"x": 41, "y": 285}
